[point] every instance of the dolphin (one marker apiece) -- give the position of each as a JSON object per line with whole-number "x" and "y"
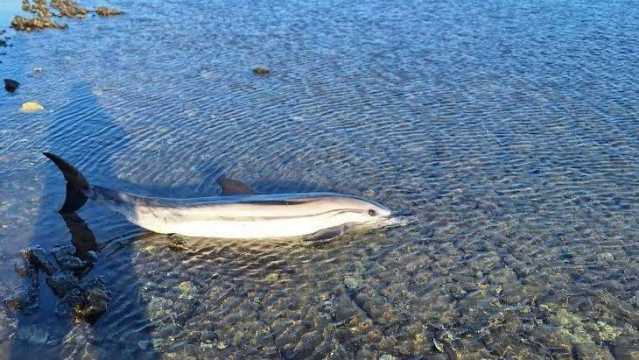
{"x": 238, "y": 213}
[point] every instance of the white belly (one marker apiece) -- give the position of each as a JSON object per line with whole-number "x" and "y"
{"x": 258, "y": 229}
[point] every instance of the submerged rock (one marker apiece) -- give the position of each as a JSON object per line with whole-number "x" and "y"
{"x": 24, "y": 268}
{"x": 38, "y": 257}
{"x": 65, "y": 257}
{"x": 94, "y": 303}
{"x": 11, "y": 85}
{"x": 105, "y": 11}
{"x": 33, "y": 334}
{"x": 261, "y": 70}
{"x": 24, "y": 300}
{"x": 62, "y": 283}
{"x": 31, "y": 106}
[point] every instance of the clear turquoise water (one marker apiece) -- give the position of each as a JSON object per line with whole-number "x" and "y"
{"x": 508, "y": 128}
{"x": 8, "y": 9}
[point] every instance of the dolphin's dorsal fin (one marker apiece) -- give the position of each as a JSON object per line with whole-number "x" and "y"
{"x": 233, "y": 187}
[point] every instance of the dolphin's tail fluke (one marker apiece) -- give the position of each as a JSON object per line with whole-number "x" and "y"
{"x": 78, "y": 188}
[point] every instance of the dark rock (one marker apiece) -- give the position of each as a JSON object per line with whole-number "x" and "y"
{"x": 11, "y": 85}
{"x": 94, "y": 303}
{"x": 38, "y": 257}
{"x": 65, "y": 257}
{"x": 62, "y": 283}
{"x": 261, "y": 70}
{"x": 73, "y": 263}
{"x": 105, "y": 11}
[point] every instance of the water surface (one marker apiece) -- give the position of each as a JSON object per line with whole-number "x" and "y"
{"x": 508, "y": 128}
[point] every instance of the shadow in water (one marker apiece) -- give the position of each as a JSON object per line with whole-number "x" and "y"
{"x": 82, "y": 130}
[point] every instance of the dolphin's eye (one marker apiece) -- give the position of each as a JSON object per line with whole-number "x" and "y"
{"x": 372, "y": 212}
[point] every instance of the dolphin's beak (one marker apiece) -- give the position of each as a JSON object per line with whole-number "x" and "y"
{"x": 398, "y": 218}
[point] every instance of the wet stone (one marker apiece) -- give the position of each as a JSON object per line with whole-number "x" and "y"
{"x": 11, "y": 85}
{"x": 38, "y": 257}
{"x": 94, "y": 303}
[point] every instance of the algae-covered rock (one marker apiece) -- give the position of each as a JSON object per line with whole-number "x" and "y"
{"x": 272, "y": 277}
{"x": 20, "y": 23}
{"x": 607, "y": 332}
{"x": 186, "y": 289}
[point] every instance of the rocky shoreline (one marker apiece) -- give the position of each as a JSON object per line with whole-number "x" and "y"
{"x": 45, "y": 11}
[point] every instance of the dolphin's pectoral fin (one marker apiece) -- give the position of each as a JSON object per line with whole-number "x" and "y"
{"x": 326, "y": 235}
{"x": 233, "y": 187}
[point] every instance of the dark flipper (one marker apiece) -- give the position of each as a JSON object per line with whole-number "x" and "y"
{"x": 326, "y": 235}
{"x": 81, "y": 235}
{"x": 233, "y": 187}
{"x": 78, "y": 187}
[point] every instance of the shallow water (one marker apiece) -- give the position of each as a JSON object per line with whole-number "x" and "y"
{"x": 509, "y": 129}
{"x": 8, "y": 9}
